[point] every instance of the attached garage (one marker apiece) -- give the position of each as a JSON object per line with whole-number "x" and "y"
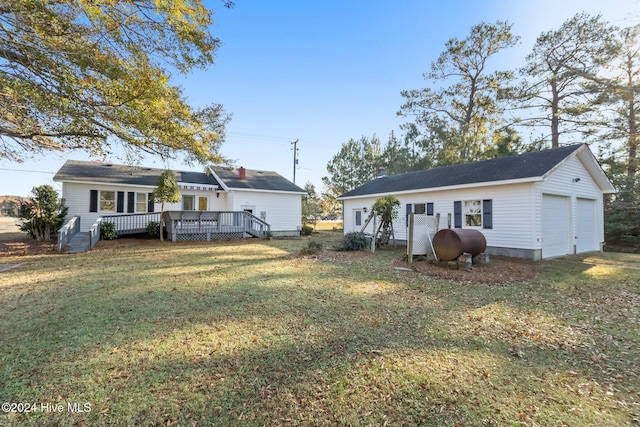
{"x": 556, "y": 226}
{"x": 586, "y": 226}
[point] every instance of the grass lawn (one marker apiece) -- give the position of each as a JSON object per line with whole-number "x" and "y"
{"x": 249, "y": 333}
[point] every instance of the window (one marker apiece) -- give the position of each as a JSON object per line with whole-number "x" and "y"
{"x": 108, "y": 201}
{"x": 419, "y": 208}
{"x": 141, "y": 202}
{"x": 473, "y": 214}
{"x": 188, "y": 203}
{"x": 358, "y": 218}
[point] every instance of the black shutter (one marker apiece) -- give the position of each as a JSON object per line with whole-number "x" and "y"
{"x": 150, "y": 202}
{"x": 457, "y": 214}
{"x": 131, "y": 202}
{"x": 93, "y": 201}
{"x": 430, "y": 209}
{"x": 120, "y": 202}
{"x": 487, "y": 214}
{"x": 409, "y": 208}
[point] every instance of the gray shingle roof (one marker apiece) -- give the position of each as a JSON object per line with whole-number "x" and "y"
{"x": 258, "y": 180}
{"x": 74, "y": 170}
{"x": 527, "y": 165}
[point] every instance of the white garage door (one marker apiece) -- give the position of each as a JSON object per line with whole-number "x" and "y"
{"x": 586, "y": 228}
{"x": 555, "y": 226}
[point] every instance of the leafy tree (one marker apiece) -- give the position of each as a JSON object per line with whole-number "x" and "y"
{"x": 559, "y": 72}
{"x": 386, "y": 207}
{"x": 88, "y": 74}
{"x": 459, "y": 118}
{"x": 166, "y": 191}
{"x": 357, "y": 162}
{"x": 311, "y": 206}
{"x": 44, "y": 214}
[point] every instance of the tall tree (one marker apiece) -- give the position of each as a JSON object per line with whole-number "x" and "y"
{"x": 620, "y": 150}
{"x": 84, "y": 74}
{"x": 460, "y": 117}
{"x": 557, "y": 92}
{"x": 622, "y": 94}
{"x": 357, "y": 162}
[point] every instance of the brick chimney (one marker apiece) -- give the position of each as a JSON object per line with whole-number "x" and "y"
{"x": 242, "y": 173}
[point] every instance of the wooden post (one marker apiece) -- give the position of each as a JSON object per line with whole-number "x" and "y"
{"x": 410, "y": 240}
{"x": 373, "y": 235}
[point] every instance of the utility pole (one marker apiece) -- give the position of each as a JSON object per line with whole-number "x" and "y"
{"x": 295, "y": 159}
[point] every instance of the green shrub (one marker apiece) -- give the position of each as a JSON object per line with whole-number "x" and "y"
{"x": 306, "y": 230}
{"x": 108, "y": 231}
{"x": 153, "y": 228}
{"x": 354, "y": 241}
{"x": 312, "y": 248}
{"x": 43, "y": 214}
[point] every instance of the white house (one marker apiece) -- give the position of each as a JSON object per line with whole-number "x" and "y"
{"x": 92, "y": 190}
{"x": 535, "y": 205}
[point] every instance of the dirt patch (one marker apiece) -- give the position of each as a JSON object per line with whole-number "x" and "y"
{"x": 500, "y": 271}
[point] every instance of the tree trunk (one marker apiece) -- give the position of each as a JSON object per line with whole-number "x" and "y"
{"x": 555, "y": 115}
{"x": 160, "y": 222}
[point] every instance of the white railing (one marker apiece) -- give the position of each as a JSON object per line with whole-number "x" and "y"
{"x": 94, "y": 233}
{"x": 214, "y": 224}
{"x": 67, "y": 231}
{"x": 132, "y": 223}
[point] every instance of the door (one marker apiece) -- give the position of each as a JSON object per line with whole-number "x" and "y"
{"x": 202, "y": 203}
{"x": 357, "y": 219}
{"x": 586, "y": 227}
{"x": 556, "y": 229}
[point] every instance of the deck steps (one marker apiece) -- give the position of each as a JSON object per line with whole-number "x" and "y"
{"x": 79, "y": 243}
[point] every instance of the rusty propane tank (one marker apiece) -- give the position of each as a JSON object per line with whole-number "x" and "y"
{"x": 450, "y": 243}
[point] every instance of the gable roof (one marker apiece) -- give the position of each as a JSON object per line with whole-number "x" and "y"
{"x": 523, "y": 167}
{"x": 80, "y": 171}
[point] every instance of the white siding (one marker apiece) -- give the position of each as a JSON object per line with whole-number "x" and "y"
{"x": 561, "y": 182}
{"x": 77, "y": 198}
{"x": 283, "y": 210}
{"x": 512, "y": 212}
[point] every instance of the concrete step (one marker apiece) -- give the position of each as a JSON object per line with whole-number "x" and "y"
{"x": 79, "y": 243}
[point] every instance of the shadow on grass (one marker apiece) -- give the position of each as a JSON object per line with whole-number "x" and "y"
{"x": 241, "y": 333}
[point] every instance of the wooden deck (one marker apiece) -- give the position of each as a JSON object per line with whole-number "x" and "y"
{"x": 213, "y": 225}
{"x": 180, "y": 226}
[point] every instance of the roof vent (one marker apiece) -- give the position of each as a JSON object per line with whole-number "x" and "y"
{"x": 382, "y": 172}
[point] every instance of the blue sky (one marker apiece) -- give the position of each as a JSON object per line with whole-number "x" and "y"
{"x": 325, "y": 72}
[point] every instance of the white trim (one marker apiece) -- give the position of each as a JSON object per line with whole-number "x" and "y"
{"x": 217, "y": 178}
{"x": 108, "y": 184}
{"x": 449, "y": 187}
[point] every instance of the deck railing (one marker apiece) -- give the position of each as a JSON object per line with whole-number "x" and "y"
{"x": 67, "y": 231}
{"x": 132, "y": 223}
{"x": 196, "y": 225}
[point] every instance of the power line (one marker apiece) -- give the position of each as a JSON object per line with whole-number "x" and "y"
{"x": 24, "y": 170}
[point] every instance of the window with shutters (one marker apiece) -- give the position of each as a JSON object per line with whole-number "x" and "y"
{"x": 419, "y": 208}
{"x": 108, "y": 201}
{"x": 473, "y": 214}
